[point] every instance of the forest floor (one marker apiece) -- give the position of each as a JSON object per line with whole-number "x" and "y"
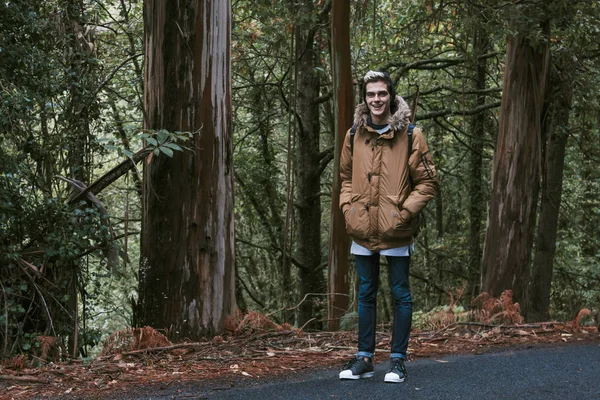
{"x": 142, "y": 356}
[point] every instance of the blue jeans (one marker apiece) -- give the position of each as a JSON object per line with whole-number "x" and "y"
{"x": 367, "y": 268}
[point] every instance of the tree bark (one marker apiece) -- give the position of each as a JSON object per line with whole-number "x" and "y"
{"x": 516, "y": 170}
{"x": 343, "y": 101}
{"x": 558, "y": 122}
{"x": 187, "y": 275}
{"x": 77, "y": 116}
{"x": 548, "y": 226}
{"x": 476, "y": 185}
{"x": 308, "y": 172}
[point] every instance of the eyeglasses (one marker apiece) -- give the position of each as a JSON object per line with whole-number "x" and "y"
{"x": 383, "y": 93}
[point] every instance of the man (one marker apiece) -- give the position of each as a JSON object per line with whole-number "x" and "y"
{"x": 383, "y": 190}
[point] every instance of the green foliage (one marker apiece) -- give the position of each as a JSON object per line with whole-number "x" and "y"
{"x": 349, "y": 321}
{"x": 425, "y": 44}
{"x": 39, "y": 237}
{"x": 59, "y": 77}
{"x": 165, "y": 141}
{"x": 71, "y": 99}
{"x": 161, "y": 141}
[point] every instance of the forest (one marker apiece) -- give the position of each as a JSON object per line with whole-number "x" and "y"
{"x": 175, "y": 164}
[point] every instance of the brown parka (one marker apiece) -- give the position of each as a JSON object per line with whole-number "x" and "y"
{"x": 376, "y": 195}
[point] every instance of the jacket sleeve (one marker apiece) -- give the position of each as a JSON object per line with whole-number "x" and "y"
{"x": 346, "y": 174}
{"x": 423, "y": 173}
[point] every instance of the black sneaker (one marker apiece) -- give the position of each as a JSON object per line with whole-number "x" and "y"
{"x": 357, "y": 368}
{"x": 397, "y": 372}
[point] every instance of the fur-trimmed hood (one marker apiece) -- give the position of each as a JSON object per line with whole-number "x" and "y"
{"x": 398, "y": 120}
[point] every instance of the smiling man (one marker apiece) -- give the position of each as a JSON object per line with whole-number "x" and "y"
{"x": 387, "y": 178}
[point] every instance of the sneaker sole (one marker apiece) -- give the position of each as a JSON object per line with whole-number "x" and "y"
{"x": 393, "y": 379}
{"x": 355, "y": 377}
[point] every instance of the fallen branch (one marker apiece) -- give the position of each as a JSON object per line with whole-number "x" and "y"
{"x": 163, "y": 348}
{"x": 111, "y": 176}
{"x": 539, "y": 325}
{"x": 351, "y": 348}
{"x": 23, "y": 378}
{"x": 246, "y": 340}
{"x": 35, "y": 269}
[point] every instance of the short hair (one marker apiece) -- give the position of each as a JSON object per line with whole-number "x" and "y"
{"x": 379, "y": 76}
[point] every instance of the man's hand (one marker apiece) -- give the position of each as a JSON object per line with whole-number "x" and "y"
{"x": 405, "y": 215}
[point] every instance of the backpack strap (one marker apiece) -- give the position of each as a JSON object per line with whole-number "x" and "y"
{"x": 352, "y": 132}
{"x": 409, "y": 133}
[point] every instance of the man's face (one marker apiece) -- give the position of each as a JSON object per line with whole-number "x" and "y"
{"x": 378, "y": 101}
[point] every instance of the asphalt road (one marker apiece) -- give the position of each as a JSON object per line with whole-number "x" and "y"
{"x": 566, "y": 372}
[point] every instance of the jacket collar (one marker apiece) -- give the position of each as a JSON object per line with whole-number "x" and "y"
{"x": 398, "y": 121}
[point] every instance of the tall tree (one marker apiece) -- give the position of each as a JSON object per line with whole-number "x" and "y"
{"x": 556, "y": 123}
{"x": 78, "y": 120}
{"x": 187, "y": 275}
{"x": 343, "y": 100}
{"x": 476, "y": 184}
{"x": 310, "y": 161}
{"x": 573, "y": 46}
{"x": 517, "y": 159}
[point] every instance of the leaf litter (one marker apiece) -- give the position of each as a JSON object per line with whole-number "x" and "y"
{"x": 256, "y": 348}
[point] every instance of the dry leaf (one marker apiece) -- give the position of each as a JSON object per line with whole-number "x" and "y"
{"x": 180, "y": 352}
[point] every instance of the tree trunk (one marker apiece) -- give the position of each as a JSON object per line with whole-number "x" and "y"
{"x": 343, "y": 100}
{"x": 77, "y": 117}
{"x": 438, "y": 148}
{"x": 515, "y": 181}
{"x": 558, "y": 122}
{"x": 548, "y": 224}
{"x": 187, "y": 275}
{"x": 308, "y": 171}
{"x": 476, "y": 186}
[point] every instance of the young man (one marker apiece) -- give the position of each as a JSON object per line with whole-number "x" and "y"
{"x": 383, "y": 189}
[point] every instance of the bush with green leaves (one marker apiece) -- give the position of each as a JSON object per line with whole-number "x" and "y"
{"x": 43, "y": 242}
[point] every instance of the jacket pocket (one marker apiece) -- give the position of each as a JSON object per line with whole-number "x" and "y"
{"x": 393, "y": 226}
{"x": 357, "y": 219}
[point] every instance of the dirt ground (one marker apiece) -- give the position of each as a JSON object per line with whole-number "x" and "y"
{"x": 138, "y": 357}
